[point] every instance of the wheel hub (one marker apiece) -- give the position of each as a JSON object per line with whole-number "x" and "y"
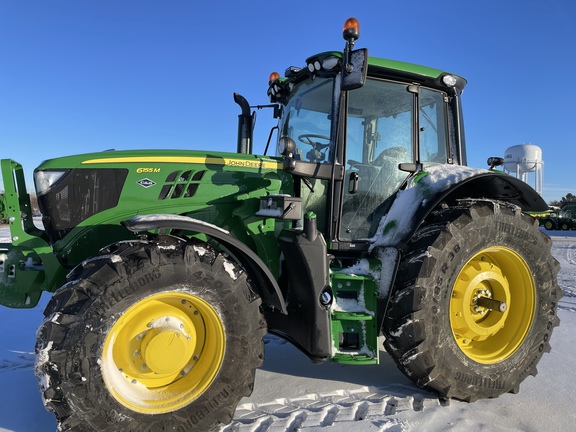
{"x": 471, "y": 321}
{"x": 163, "y": 352}
{"x": 167, "y": 351}
{"x": 492, "y": 305}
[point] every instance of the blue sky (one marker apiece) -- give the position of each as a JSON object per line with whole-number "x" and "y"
{"x": 83, "y": 76}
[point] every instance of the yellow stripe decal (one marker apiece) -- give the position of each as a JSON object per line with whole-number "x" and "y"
{"x": 241, "y": 163}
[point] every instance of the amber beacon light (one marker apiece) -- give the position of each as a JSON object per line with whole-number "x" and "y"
{"x": 351, "y": 31}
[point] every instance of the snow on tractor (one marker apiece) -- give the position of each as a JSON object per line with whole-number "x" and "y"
{"x": 167, "y": 268}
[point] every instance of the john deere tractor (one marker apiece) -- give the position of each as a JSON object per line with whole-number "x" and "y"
{"x": 167, "y": 268}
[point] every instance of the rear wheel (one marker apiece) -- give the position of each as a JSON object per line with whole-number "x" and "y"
{"x": 474, "y": 302}
{"x": 151, "y": 336}
{"x": 549, "y": 224}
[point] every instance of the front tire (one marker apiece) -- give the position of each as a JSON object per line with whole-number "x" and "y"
{"x": 474, "y": 302}
{"x": 150, "y": 336}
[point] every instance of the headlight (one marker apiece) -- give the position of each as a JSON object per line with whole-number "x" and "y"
{"x": 325, "y": 64}
{"x": 44, "y": 180}
{"x": 449, "y": 80}
{"x": 330, "y": 63}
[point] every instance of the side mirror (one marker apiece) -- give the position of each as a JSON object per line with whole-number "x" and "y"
{"x": 355, "y": 65}
{"x": 355, "y": 69}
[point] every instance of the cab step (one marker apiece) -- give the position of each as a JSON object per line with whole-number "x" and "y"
{"x": 353, "y": 319}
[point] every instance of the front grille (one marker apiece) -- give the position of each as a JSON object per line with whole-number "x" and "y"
{"x": 77, "y": 195}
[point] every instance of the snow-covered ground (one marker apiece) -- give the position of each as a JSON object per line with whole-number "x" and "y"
{"x": 293, "y": 394}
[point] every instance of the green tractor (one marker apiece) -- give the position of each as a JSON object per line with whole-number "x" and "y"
{"x": 558, "y": 220}
{"x": 167, "y": 268}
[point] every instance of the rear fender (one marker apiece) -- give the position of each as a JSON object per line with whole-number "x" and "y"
{"x": 448, "y": 184}
{"x": 265, "y": 283}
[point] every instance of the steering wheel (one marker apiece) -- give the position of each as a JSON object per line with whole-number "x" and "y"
{"x": 308, "y": 139}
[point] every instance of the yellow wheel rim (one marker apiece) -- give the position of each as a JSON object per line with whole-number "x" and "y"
{"x": 485, "y": 333}
{"x": 163, "y": 352}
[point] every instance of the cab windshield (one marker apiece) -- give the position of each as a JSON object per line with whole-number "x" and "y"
{"x": 306, "y": 119}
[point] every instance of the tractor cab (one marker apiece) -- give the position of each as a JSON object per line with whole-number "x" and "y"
{"x": 352, "y": 131}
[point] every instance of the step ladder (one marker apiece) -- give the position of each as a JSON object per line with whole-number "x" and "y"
{"x": 353, "y": 319}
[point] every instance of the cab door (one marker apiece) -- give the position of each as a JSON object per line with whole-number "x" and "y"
{"x": 388, "y": 124}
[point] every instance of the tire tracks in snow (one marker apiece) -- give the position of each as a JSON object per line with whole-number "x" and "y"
{"x": 323, "y": 410}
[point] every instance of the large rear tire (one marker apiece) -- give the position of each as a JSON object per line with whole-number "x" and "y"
{"x": 474, "y": 303}
{"x": 151, "y": 336}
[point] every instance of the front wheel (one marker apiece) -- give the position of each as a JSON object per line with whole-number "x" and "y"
{"x": 474, "y": 302}
{"x": 151, "y": 336}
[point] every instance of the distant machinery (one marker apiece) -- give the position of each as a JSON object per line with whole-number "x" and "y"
{"x": 520, "y": 160}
